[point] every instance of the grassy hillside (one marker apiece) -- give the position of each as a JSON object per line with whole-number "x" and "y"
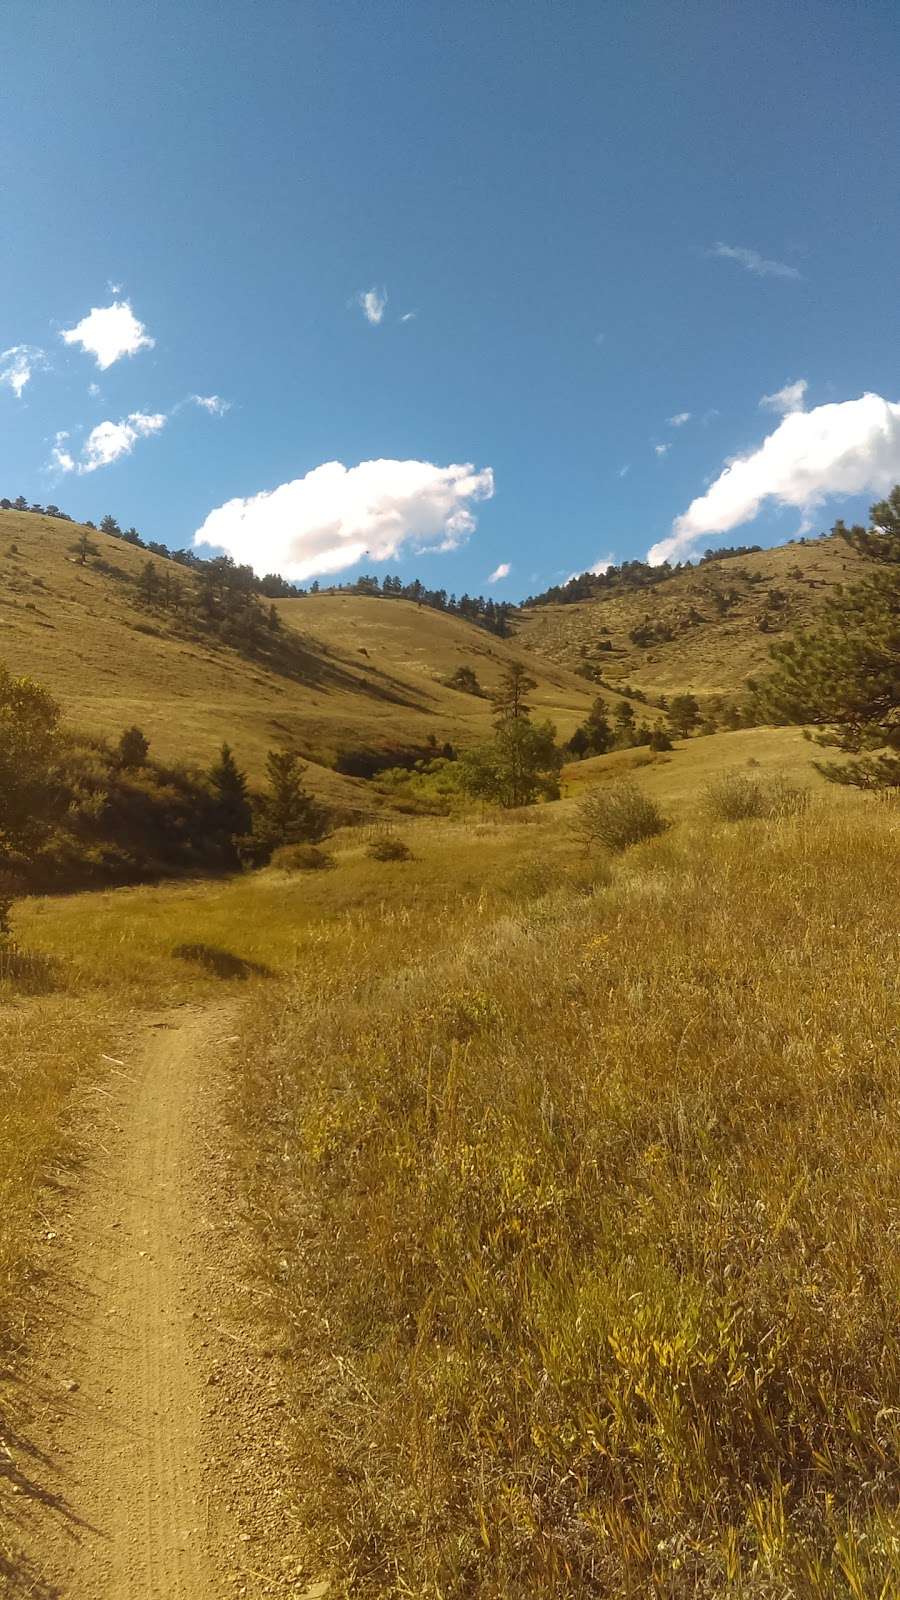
{"x": 344, "y": 671}
{"x": 704, "y": 630}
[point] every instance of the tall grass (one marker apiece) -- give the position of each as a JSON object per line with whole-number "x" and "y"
{"x": 577, "y": 1225}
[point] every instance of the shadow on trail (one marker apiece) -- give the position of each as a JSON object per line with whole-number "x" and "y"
{"x": 22, "y": 1467}
{"x": 221, "y": 963}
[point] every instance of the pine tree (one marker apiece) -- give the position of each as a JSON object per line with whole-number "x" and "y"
{"x": 291, "y": 812}
{"x": 624, "y": 723}
{"x": 843, "y": 675}
{"x": 521, "y": 763}
{"x": 233, "y": 811}
{"x": 509, "y": 698}
{"x": 684, "y": 714}
{"x": 133, "y": 749}
{"x": 597, "y": 728}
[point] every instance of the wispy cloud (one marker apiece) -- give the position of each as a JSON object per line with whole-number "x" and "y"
{"x": 213, "y": 403}
{"x": 373, "y": 303}
{"x": 409, "y": 316}
{"x": 662, "y": 449}
{"x": 624, "y": 471}
{"x": 852, "y": 447}
{"x": 503, "y": 571}
{"x": 752, "y": 261}
{"x": 336, "y": 516}
{"x": 108, "y": 333}
{"x": 18, "y": 364}
{"x": 679, "y": 419}
{"x": 790, "y": 398}
{"x": 107, "y": 443}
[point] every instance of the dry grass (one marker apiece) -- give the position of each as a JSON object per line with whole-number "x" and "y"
{"x": 77, "y": 629}
{"x": 576, "y": 1222}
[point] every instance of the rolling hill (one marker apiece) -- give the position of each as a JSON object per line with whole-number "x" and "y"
{"x": 705, "y": 630}
{"x": 343, "y": 672}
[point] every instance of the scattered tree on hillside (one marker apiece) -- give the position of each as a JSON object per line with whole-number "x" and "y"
{"x": 110, "y": 525}
{"x": 520, "y": 765}
{"x": 509, "y": 699}
{"x": 843, "y": 675}
{"x": 624, "y": 724}
{"x": 234, "y": 813}
{"x": 684, "y": 714}
{"x": 595, "y": 735}
{"x": 291, "y": 814}
{"x": 132, "y": 749}
{"x": 465, "y": 680}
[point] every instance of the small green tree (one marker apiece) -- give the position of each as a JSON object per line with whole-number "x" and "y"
{"x": 233, "y": 810}
{"x": 624, "y": 724}
{"x": 110, "y": 525}
{"x": 465, "y": 680}
{"x": 509, "y": 698}
{"x": 520, "y": 765}
{"x": 148, "y": 583}
{"x": 132, "y": 749}
{"x": 291, "y": 814}
{"x": 684, "y": 715}
{"x": 598, "y": 729}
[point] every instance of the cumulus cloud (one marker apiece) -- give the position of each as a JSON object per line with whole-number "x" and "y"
{"x": 503, "y": 571}
{"x": 679, "y": 419}
{"x": 373, "y": 303}
{"x": 336, "y": 516}
{"x": 752, "y": 261}
{"x": 18, "y": 364}
{"x": 790, "y": 398}
{"x": 596, "y": 571}
{"x": 662, "y": 449}
{"x": 213, "y": 403}
{"x": 108, "y": 442}
{"x": 109, "y": 332}
{"x": 852, "y": 447}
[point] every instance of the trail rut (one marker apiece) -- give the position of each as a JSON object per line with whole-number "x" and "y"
{"x": 118, "y": 1503}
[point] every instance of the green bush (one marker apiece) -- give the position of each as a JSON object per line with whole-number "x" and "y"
{"x": 619, "y": 816}
{"x": 301, "y": 858}
{"x": 388, "y": 847}
{"x": 737, "y": 797}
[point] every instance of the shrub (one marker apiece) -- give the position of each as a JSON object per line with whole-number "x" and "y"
{"x": 388, "y": 847}
{"x": 301, "y": 858}
{"x": 618, "y": 817}
{"x": 737, "y": 797}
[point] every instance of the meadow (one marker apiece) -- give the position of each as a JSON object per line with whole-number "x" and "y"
{"x": 570, "y": 1181}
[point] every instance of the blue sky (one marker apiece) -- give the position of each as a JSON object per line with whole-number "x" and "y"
{"x": 545, "y": 187}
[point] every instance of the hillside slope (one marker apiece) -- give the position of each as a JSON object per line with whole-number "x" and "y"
{"x": 343, "y": 671}
{"x": 706, "y": 629}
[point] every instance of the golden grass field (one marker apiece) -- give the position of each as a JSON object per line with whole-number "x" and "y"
{"x": 571, "y": 1180}
{"x": 81, "y": 631}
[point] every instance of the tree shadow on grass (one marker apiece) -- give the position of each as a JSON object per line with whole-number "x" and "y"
{"x": 221, "y": 963}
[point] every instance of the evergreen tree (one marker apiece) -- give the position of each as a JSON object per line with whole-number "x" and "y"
{"x": 624, "y": 723}
{"x": 509, "y": 699}
{"x": 291, "y": 814}
{"x": 597, "y": 728}
{"x": 133, "y": 749}
{"x": 843, "y": 675}
{"x": 684, "y": 714}
{"x": 110, "y": 525}
{"x": 233, "y": 810}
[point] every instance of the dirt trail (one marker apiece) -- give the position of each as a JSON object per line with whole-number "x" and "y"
{"x": 123, "y": 1501}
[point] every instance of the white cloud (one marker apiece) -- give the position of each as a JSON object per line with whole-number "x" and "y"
{"x": 18, "y": 365}
{"x": 373, "y": 303}
{"x": 852, "y": 447}
{"x": 108, "y": 442}
{"x": 624, "y": 471}
{"x": 790, "y": 398}
{"x": 503, "y": 571}
{"x": 94, "y": 390}
{"x": 752, "y": 261}
{"x": 336, "y": 516}
{"x": 662, "y": 449}
{"x": 679, "y": 419}
{"x": 110, "y": 332}
{"x": 213, "y": 403}
{"x": 409, "y": 316}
